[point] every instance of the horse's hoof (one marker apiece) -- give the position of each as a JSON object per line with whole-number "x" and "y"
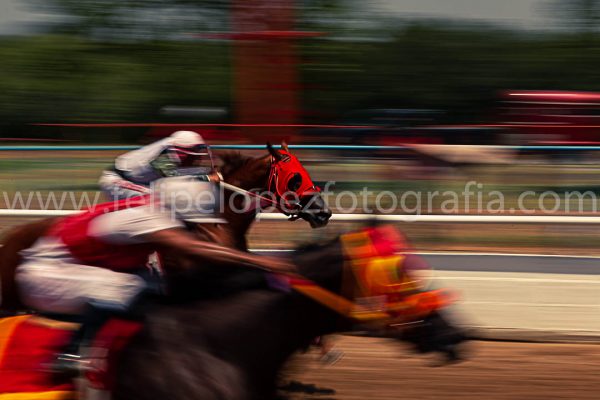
{"x": 331, "y": 357}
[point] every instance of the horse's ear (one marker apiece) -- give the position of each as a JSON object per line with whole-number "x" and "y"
{"x": 284, "y": 146}
{"x": 276, "y": 154}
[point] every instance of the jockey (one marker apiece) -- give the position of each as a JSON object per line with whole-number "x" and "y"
{"x": 182, "y": 153}
{"x": 88, "y": 264}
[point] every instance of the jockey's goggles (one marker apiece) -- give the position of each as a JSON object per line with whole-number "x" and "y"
{"x": 192, "y": 156}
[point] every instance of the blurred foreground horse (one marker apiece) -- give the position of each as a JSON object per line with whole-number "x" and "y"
{"x": 229, "y": 337}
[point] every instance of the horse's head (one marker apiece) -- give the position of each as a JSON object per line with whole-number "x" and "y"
{"x": 282, "y": 180}
{"x": 372, "y": 280}
{"x": 294, "y": 189}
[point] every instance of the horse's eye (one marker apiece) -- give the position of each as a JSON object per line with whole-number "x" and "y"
{"x": 295, "y": 182}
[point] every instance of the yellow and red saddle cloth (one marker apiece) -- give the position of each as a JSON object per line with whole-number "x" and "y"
{"x": 26, "y": 344}
{"x": 29, "y": 343}
{"x": 382, "y": 289}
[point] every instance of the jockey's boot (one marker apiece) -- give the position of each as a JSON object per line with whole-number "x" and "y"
{"x": 66, "y": 366}
{"x": 69, "y": 363}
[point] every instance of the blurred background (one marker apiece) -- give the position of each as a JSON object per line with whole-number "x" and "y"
{"x": 406, "y": 70}
{"x": 443, "y": 82}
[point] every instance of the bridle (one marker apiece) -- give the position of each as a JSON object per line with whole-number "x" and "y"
{"x": 283, "y": 172}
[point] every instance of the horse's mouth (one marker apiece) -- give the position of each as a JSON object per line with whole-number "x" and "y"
{"x": 316, "y": 219}
{"x": 314, "y": 210}
{"x": 436, "y": 335}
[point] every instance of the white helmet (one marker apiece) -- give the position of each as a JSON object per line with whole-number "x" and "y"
{"x": 186, "y": 139}
{"x": 188, "y": 149}
{"x": 188, "y": 199}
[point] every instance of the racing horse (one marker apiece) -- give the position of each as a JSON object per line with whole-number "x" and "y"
{"x": 277, "y": 173}
{"x": 232, "y": 346}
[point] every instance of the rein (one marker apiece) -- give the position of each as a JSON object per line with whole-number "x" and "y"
{"x": 234, "y": 188}
{"x": 402, "y": 311}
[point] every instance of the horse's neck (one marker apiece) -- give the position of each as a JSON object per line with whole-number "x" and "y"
{"x": 238, "y": 226}
{"x": 293, "y": 319}
{"x": 323, "y": 264}
{"x": 239, "y": 223}
{"x": 219, "y": 234}
{"x": 232, "y": 234}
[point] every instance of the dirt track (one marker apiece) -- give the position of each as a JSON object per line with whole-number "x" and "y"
{"x": 376, "y": 369}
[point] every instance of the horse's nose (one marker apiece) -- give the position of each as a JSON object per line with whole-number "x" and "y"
{"x": 325, "y": 213}
{"x": 317, "y": 212}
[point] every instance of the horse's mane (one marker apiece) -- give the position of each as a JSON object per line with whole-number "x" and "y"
{"x": 322, "y": 263}
{"x": 233, "y": 161}
{"x": 313, "y": 247}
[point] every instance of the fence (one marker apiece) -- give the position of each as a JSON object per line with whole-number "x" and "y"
{"x": 296, "y": 147}
{"x": 469, "y": 219}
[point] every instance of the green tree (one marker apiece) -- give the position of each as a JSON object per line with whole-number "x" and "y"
{"x": 137, "y": 19}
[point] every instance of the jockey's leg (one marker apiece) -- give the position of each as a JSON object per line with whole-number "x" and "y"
{"x": 116, "y": 188}
{"x": 53, "y": 286}
{"x": 97, "y": 313}
{"x": 70, "y": 362}
{"x": 59, "y": 287}
{"x": 93, "y": 319}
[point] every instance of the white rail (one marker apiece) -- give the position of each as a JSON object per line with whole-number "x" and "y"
{"x": 7, "y": 212}
{"x": 496, "y": 219}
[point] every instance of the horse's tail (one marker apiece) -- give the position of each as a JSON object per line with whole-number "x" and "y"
{"x": 15, "y": 240}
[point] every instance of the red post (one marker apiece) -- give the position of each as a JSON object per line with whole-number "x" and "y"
{"x": 265, "y": 76}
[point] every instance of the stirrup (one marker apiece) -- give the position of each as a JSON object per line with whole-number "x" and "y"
{"x": 67, "y": 365}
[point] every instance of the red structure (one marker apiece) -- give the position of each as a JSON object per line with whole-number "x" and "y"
{"x": 552, "y": 117}
{"x": 266, "y": 81}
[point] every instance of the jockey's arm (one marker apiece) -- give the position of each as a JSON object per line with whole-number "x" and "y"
{"x": 185, "y": 243}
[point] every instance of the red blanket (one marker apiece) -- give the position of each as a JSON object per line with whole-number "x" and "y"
{"x": 26, "y": 344}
